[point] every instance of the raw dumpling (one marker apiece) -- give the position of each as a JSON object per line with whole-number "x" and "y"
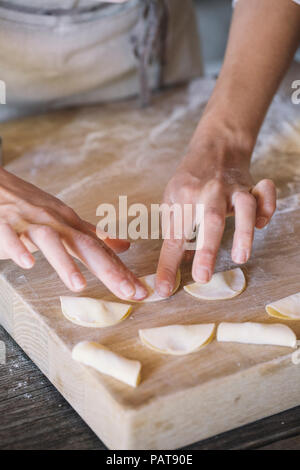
{"x": 177, "y": 339}
{"x": 223, "y": 285}
{"x": 149, "y": 283}
{"x": 107, "y": 362}
{"x": 257, "y": 333}
{"x": 93, "y": 313}
{"x": 287, "y": 308}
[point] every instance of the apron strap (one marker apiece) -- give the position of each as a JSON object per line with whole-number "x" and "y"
{"x": 149, "y": 43}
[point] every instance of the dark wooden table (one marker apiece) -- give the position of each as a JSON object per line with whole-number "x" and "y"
{"x": 33, "y": 415}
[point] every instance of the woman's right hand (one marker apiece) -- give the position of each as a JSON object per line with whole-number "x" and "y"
{"x": 31, "y": 220}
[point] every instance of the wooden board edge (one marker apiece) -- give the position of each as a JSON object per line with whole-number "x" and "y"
{"x": 78, "y": 384}
{"x": 216, "y": 407}
{"x": 212, "y": 408}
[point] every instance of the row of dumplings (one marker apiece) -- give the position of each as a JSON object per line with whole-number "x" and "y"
{"x": 176, "y": 339}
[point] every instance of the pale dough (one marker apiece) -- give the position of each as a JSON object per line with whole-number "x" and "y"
{"x": 107, "y": 362}
{"x": 177, "y": 339}
{"x": 257, "y": 333}
{"x": 296, "y": 357}
{"x": 287, "y": 308}
{"x": 93, "y": 313}
{"x": 149, "y": 283}
{"x": 223, "y": 285}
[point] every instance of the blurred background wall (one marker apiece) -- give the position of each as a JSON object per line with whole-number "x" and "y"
{"x": 214, "y": 17}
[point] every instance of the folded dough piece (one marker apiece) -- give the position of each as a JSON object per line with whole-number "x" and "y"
{"x": 257, "y": 333}
{"x": 107, "y": 362}
{"x": 287, "y": 308}
{"x": 177, "y": 339}
{"x": 149, "y": 283}
{"x": 223, "y": 285}
{"x": 93, "y": 313}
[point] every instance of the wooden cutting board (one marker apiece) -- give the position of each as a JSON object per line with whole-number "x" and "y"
{"x": 93, "y": 155}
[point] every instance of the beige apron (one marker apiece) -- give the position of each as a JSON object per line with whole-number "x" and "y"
{"x": 55, "y": 59}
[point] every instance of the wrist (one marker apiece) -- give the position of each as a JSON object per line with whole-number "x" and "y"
{"x": 218, "y": 147}
{"x": 229, "y": 111}
{"x": 218, "y": 133}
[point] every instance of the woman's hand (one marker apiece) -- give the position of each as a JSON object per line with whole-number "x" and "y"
{"x": 31, "y": 219}
{"x": 215, "y": 172}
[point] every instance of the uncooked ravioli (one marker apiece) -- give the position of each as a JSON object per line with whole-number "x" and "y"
{"x": 223, "y": 285}
{"x": 108, "y": 362}
{"x": 287, "y": 308}
{"x": 149, "y": 283}
{"x": 257, "y": 333}
{"x": 177, "y": 339}
{"x": 93, "y": 313}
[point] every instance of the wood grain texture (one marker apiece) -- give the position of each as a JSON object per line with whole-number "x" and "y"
{"x": 34, "y": 415}
{"x": 90, "y": 156}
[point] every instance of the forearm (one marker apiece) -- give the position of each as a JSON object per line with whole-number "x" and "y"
{"x": 263, "y": 39}
{"x": 216, "y": 168}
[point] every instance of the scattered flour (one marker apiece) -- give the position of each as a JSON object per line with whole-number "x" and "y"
{"x": 288, "y": 204}
{"x": 197, "y": 97}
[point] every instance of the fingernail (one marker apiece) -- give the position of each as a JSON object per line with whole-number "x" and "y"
{"x": 127, "y": 289}
{"x": 261, "y": 222}
{"x": 140, "y": 292}
{"x": 26, "y": 260}
{"x": 164, "y": 289}
{"x": 202, "y": 274}
{"x": 240, "y": 257}
{"x": 77, "y": 281}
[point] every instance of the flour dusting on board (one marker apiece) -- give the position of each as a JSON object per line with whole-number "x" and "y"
{"x": 197, "y": 96}
{"x": 288, "y": 204}
{"x": 278, "y": 157}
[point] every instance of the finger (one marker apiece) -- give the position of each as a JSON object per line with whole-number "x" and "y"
{"x": 245, "y": 215}
{"x": 28, "y": 243}
{"x": 49, "y": 242}
{"x": 265, "y": 194}
{"x": 105, "y": 264}
{"x": 177, "y": 227}
{"x": 205, "y": 258}
{"x": 72, "y": 219}
{"x": 117, "y": 245}
{"x": 13, "y": 248}
{"x": 169, "y": 261}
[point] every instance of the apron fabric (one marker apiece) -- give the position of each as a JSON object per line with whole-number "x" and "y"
{"x": 66, "y": 52}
